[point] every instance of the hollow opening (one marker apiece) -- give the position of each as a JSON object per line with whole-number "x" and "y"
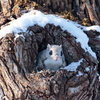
{"x": 54, "y": 35}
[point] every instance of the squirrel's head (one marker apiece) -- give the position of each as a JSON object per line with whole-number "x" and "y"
{"x": 54, "y": 52}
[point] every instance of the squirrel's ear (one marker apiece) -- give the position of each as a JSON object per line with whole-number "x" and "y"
{"x": 48, "y": 46}
{"x": 61, "y": 45}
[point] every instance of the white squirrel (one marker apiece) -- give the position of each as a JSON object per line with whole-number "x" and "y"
{"x": 51, "y": 58}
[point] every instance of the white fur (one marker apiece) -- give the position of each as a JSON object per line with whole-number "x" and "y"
{"x": 52, "y": 64}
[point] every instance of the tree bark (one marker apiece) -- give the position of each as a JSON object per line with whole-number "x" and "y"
{"x": 19, "y": 79}
{"x": 81, "y": 8}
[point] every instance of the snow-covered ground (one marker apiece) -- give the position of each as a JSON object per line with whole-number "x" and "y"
{"x": 36, "y": 17}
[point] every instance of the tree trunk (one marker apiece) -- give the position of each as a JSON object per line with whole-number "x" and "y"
{"x": 19, "y": 79}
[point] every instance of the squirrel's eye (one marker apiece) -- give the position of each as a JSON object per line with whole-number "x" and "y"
{"x": 50, "y": 52}
{"x": 61, "y": 53}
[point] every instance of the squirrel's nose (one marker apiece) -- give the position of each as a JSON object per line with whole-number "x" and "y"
{"x": 56, "y": 58}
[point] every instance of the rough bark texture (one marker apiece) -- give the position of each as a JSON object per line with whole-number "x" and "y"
{"x": 81, "y": 8}
{"x": 94, "y": 40}
{"x": 19, "y": 79}
{"x": 17, "y": 56}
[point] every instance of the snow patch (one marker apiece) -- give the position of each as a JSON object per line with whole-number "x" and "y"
{"x": 99, "y": 78}
{"x": 17, "y": 36}
{"x": 79, "y": 73}
{"x": 87, "y": 68}
{"x": 95, "y": 27}
{"x": 73, "y": 66}
{"x": 74, "y": 90}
